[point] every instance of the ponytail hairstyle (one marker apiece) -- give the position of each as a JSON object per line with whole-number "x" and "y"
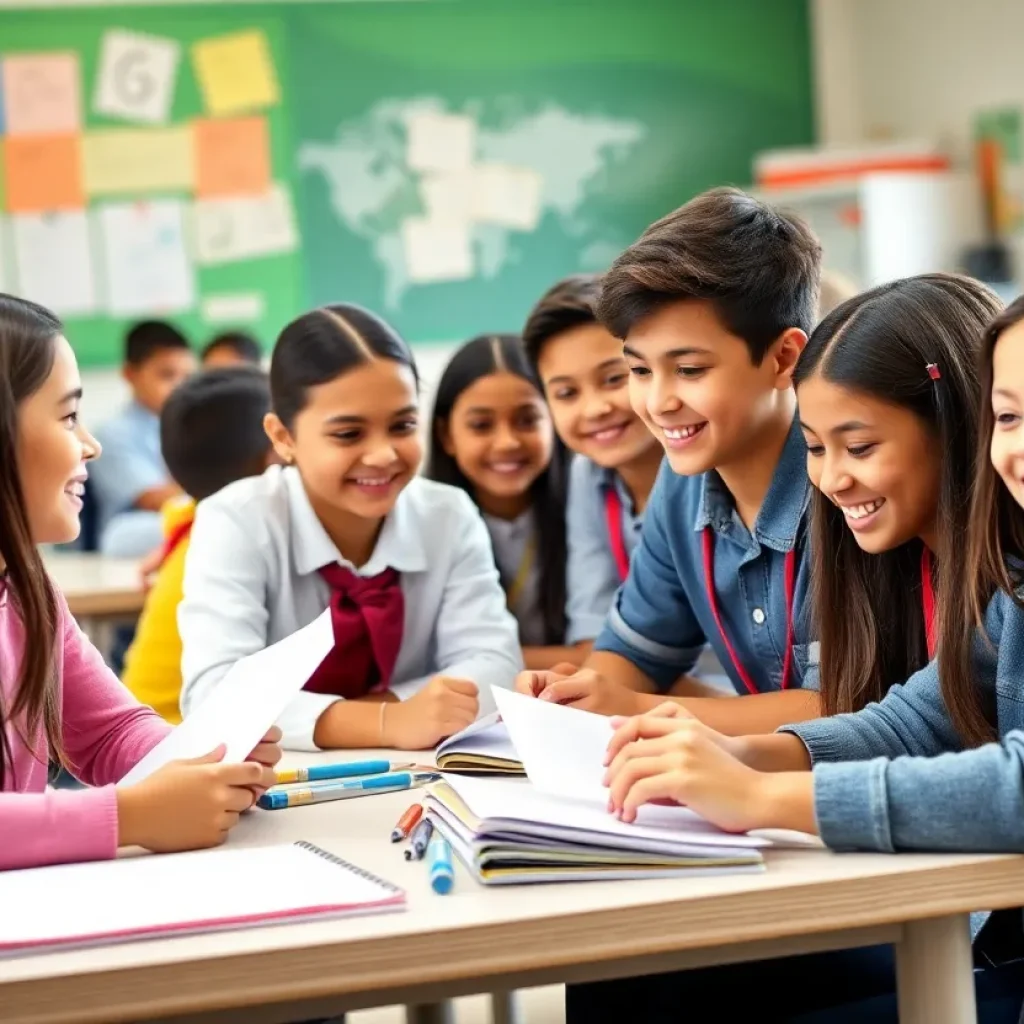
{"x": 912, "y": 343}
{"x": 28, "y": 334}
{"x": 482, "y": 357}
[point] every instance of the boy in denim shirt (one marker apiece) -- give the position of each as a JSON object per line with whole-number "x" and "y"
{"x": 714, "y": 304}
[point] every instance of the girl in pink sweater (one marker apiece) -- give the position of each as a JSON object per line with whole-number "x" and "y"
{"x": 58, "y": 700}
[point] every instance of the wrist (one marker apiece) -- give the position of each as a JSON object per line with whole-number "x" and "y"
{"x": 128, "y": 830}
{"x": 786, "y": 800}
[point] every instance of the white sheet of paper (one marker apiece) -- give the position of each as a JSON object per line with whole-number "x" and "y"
{"x": 244, "y": 227}
{"x": 507, "y": 196}
{"x": 440, "y": 142}
{"x": 448, "y": 196}
{"x": 247, "y": 701}
{"x": 243, "y": 308}
{"x": 146, "y": 265}
{"x": 437, "y": 250}
{"x": 53, "y": 261}
{"x": 487, "y": 736}
{"x": 136, "y": 76}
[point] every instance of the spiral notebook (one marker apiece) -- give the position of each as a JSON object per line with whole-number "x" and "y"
{"x": 159, "y": 896}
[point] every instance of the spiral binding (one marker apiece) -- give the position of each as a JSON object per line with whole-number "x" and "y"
{"x": 369, "y": 876}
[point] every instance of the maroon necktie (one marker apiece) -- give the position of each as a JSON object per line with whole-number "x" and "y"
{"x": 368, "y": 615}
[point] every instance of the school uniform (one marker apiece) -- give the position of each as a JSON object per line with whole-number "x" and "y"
{"x": 701, "y": 577}
{"x": 257, "y": 570}
{"x": 515, "y": 553}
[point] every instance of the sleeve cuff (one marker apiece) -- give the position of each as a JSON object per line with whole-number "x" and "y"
{"x": 851, "y": 805}
{"x": 661, "y": 663}
{"x": 818, "y": 735}
{"x": 298, "y": 721}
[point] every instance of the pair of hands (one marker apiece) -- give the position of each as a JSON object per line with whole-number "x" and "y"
{"x": 580, "y": 688}
{"x": 193, "y": 804}
{"x": 442, "y": 708}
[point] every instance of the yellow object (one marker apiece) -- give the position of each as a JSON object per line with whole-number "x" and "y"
{"x": 152, "y": 666}
{"x": 137, "y": 160}
{"x": 236, "y": 73}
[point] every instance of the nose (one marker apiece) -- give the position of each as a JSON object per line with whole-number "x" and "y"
{"x": 834, "y": 478}
{"x": 381, "y": 455}
{"x": 661, "y": 396}
{"x": 596, "y": 405}
{"x": 505, "y": 439}
{"x": 91, "y": 448}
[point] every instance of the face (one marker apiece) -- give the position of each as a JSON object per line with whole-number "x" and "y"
{"x": 586, "y": 383}
{"x": 694, "y": 385}
{"x": 500, "y": 435}
{"x": 222, "y": 355}
{"x": 1007, "y": 449}
{"x": 156, "y": 377}
{"x": 53, "y": 448}
{"x": 878, "y": 462}
{"x": 356, "y": 443}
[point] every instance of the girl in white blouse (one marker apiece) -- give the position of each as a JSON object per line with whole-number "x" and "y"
{"x": 405, "y": 564}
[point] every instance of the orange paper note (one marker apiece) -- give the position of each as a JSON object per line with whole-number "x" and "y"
{"x": 44, "y": 173}
{"x": 232, "y": 157}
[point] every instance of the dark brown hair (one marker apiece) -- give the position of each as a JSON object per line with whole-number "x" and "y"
{"x": 569, "y": 303}
{"x": 868, "y": 607}
{"x": 27, "y": 336}
{"x": 994, "y": 538}
{"x": 759, "y": 268}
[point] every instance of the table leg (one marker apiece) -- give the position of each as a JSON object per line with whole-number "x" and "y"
{"x": 935, "y": 972}
{"x": 504, "y": 1009}
{"x": 430, "y": 1013}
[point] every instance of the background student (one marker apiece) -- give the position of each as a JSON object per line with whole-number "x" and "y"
{"x": 132, "y": 483}
{"x": 211, "y": 434}
{"x": 714, "y": 304}
{"x": 58, "y": 701}
{"x": 491, "y": 435}
{"x": 585, "y": 378}
{"x": 404, "y": 563}
{"x": 232, "y": 348}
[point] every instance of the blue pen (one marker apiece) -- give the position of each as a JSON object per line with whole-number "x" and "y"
{"x": 351, "y": 770}
{"x": 276, "y": 799}
{"x": 439, "y": 864}
{"x": 419, "y": 839}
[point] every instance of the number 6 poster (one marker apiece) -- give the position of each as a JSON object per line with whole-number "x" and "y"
{"x": 136, "y": 77}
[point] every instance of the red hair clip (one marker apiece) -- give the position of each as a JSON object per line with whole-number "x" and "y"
{"x": 933, "y": 371}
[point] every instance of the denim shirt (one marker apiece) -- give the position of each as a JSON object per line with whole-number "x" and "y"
{"x": 895, "y": 776}
{"x": 662, "y": 614}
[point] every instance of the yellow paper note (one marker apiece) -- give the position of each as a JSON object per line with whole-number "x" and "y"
{"x": 236, "y": 73}
{"x": 122, "y": 160}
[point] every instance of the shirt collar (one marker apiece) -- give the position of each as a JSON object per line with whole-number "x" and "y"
{"x": 782, "y": 511}
{"x": 400, "y": 546}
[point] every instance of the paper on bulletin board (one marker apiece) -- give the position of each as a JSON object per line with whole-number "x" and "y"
{"x": 146, "y": 265}
{"x": 440, "y": 142}
{"x": 136, "y": 77}
{"x": 243, "y": 308}
{"x": 43, "y": 173}
{"x": 6, "y": 278}
{"x": 53, "y": 261}
{"x": 249, "y": 227}
{"x": 42, "y": 93}
{"x": 232, "y": 157}
{"x": 448, "y": 196}
{"x": 120, "y": 160}
{"x": 437, "y": 251}
{"x": 236, "y": 73}
{"x": 507, "y": 196}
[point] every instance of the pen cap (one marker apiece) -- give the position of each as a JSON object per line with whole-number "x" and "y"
{"x": 439, "y": 865}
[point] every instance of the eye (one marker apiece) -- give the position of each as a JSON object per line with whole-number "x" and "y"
{"x": 640, "y": 371}
{"x": 815, "y": 450}
{"x": 71, "y": 420}
{"x": 347, "y": 436}
{"x": 859, "y": 451}
{"x": 1007, "y": 419}
{"x": 480, "y": 426}
{"x": 402, "y": 428}
{"x": 565, "y": 394}
{"x": 528, "y": 420}
{"x": 616, "y": 380}
{"x": 691, "y": 372}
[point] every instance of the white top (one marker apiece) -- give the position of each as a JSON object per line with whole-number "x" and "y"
{"x": 510, "y": 539}
{"x": 251, "y": 579}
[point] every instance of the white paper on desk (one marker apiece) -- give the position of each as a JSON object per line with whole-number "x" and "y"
{"x": 507, "y": 196}
{"x": 246, "y": 702}
{"x": 244, "y": 227}
{"x": 487, "y": 736}
{"x": 439, "y": 142}
{"x": 53, "y": 262}
{"x": 437, "y": 250}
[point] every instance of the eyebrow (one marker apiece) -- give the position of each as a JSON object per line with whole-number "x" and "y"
{"x": 600, "y": 366}
{"x": 844, "y": 428}
{"x": 342, "y": 419}
{"x": 74, "y": 395}
{"x": 1004, "y": 393}
{"x": 675, "y": 353}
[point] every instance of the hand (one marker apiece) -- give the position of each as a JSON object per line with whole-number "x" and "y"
{"x": 188, "y": 805}
{"x": 663, "y": 721}
{"x": 148, "y": 567}
{"x": 267, "y": 753}
{"x": 443, "y": 707}
{"x": 590, "y": 691}
{"x": 533, "y": 684}
{"x": 680, "y": 760}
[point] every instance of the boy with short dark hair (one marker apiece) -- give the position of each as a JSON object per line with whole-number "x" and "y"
{"x": 232, "y": 348}
{"x": 212, "y": 434}
{"x": 714, "y": 304}
{"x": 133, "y": 483}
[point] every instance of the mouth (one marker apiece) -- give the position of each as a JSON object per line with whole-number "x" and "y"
{"x": 74, "y": 490}
{"x": 862, "y": 516}
{"x": 607, "y": 435}
{"x": 373, "y": 485}
{"x": 676, "y": 438}
{"x": 508, "y": 467}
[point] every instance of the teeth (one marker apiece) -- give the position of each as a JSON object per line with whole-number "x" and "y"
{"x": 607, "y": 434}
{"x": 680, "y": 433}
{"x": 507, "y": 467}
{"x": 76, "y": 488}
{"x": 860, "y": 511}
{"x": 375, "y": 482}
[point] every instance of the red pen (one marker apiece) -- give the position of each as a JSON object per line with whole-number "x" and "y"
{"x": 406, "y": 823}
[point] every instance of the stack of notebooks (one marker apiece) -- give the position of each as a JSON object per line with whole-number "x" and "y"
{"x": 556, "y": 826}
{"x": 485, "y": 748}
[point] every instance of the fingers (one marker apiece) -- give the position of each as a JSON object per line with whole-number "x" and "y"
{"x": 248, "y": 773}
{"x": 461, "y": 686}
{"x": 456, "y": 704}
{"x": 657, "y": 788}
{"x": 266, "y": 753}
{"x": 566, "y": 691}
{"x": 642, "y": 727}
{"x": 631, "y": 773}
{"x": 273, "y": 735}
{"x": 564, "y": 668}
{"x": 530, "y": 684}
{"x": 215, "y": 755}
{"x": 236, "y": 800}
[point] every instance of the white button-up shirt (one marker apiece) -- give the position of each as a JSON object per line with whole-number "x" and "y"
{"x": 251, "y": 579}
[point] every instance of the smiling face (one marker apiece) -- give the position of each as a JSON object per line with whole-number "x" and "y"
{"x": 53, "y": 448}
{"x": 500, "y": 435}
{"x": 1007, "y": 447}
{"x": 158, "y": 375}
{"x": 586, "y": 384}
{"x": 878, "y": 462}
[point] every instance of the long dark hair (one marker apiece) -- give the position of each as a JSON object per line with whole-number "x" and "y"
{"x": 995, "y": 536}
{"x": 504, "y": 353}
{"x": 868, "y": 608}
{"x": 27, "y": 336}
{"x": 323, "y": 344}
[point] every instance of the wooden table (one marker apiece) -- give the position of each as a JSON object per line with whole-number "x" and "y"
{"x": 482, "y": 940}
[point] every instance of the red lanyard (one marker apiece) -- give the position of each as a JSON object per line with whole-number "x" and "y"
{"x": 928, "y": 601}
{"x": 789, "y": 575}
{"x": 613, "y": 517}
{"x": 174, "y": 538}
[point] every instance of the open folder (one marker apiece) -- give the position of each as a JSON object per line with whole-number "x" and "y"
{"x": 483, "y": 748}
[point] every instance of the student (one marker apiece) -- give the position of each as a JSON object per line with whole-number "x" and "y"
{"x": 835, "y": 290}
{"x": 491, "y": 435}
{"x": 404, "y": 563}
{"x": 585, "y": 379}
{"x": 233, "y": 348}
{"x": 58, "y": 701}
{"x": 714, "y": 304}
{"x": 132, "y": 483}
{"x": 211, "y": 434}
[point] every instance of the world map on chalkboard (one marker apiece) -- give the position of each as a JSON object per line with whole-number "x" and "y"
{"x": 546, "y": 163}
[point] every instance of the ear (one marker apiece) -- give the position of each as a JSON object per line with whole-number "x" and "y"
{"x": 444, "y": 437}
{"x": 128, "y": 373}
{"x": 785, "y": 353}
{"x": 280, "y": 438}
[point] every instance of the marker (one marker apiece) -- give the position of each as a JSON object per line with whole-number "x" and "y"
{"x": 276, "y": 799}
{"x": 406, "y": 822}
{"x": 350, "y": 770}
{"x": 439, "y": 861}
{"x": 420, "y": 838}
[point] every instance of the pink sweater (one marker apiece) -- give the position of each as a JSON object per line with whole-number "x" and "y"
{"x": 106, "y": 732}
